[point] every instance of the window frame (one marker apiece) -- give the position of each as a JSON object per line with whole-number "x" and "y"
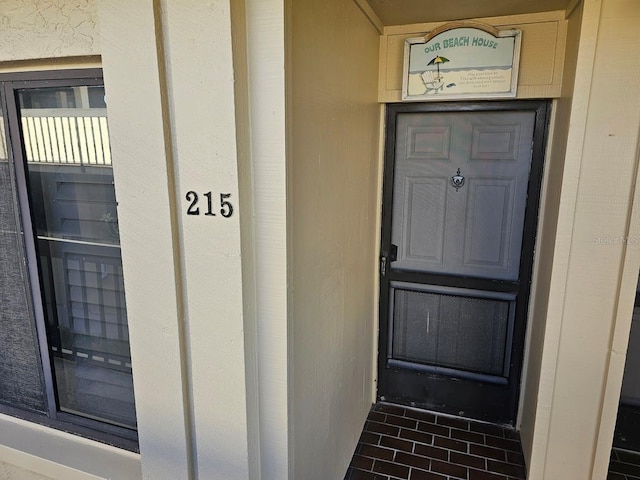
{"x": 10, "y": 84}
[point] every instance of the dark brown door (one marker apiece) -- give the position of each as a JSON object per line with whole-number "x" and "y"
{"x": 460, "y": 204}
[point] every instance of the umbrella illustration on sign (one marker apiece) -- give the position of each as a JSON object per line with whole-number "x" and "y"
{"x": 431, "y": 81}
{"x": 437, "y": 61}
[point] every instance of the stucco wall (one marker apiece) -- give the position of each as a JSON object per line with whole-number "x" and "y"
{"x": 333, "y": 172}
{"x": 36, "y": 29}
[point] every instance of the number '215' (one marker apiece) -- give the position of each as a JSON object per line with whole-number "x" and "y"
{"x": 226, "y": 209}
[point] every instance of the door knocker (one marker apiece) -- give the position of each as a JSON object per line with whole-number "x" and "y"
{"x": 457, "y": 180}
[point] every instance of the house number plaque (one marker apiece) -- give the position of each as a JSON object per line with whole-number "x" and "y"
{"x": 225, "y": 207}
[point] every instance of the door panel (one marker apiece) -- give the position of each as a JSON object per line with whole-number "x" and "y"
{"x": 456, "y": 262}
{"x": 497, "y": 142}
{"x": 475, "y": 229}
{"x": 423, "y": 227}
{"x": 488, "y": 229}
{"x": 461, "y": 331}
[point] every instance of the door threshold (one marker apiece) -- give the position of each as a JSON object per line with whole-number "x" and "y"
{"x": 445, "y": 414}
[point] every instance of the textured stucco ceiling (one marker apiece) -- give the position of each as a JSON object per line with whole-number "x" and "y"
{"x": 399, "y": 12}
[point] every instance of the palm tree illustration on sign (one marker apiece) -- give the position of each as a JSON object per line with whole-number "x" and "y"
{"x": 431, "y": 81}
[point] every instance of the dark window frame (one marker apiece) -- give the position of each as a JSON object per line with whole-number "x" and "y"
{"x": 10, "y": 83}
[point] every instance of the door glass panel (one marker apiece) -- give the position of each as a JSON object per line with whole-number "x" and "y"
{"x": 73, "y": 204}
{"x": 451, "y": 331}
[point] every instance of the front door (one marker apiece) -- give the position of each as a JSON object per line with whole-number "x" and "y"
{"x": 461, "y": 194}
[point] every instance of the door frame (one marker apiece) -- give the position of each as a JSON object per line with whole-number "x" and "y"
{"x": 542, "y": 109}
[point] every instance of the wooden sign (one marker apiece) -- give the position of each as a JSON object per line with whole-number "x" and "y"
{"x": 461, "y": 60}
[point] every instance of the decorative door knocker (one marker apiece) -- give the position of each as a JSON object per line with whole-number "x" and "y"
{"x": 457, "y": 180}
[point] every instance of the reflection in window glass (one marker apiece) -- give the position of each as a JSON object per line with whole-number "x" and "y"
{"x": 73, "y": 204}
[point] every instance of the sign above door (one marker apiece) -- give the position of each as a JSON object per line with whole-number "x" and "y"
{"x": 461, "y": 61}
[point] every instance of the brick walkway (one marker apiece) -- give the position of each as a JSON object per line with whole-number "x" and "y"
{"x": 409, "y": 444}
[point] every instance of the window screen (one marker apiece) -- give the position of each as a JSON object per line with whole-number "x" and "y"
{"x": 451, "y": 331}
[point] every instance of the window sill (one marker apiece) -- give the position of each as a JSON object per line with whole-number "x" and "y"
{"x": 59, "y": 454}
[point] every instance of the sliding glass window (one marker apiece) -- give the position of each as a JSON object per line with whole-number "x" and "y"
{"x": 64, "y": 186}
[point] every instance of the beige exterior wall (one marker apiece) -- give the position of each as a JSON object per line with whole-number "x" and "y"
{"x": 618, "y": 22}
{"x": 267, "y": 187}
{"x": 586, "y": 289}
{"x": 532, "y": 389}
{"x": 174, "y": 131}
{"x": 332, "y": 197}
{"x": 137, "y": 129}
{"x": 541, "y": 55}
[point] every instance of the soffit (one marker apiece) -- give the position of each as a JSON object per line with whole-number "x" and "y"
{"x": 403, "y": 12}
